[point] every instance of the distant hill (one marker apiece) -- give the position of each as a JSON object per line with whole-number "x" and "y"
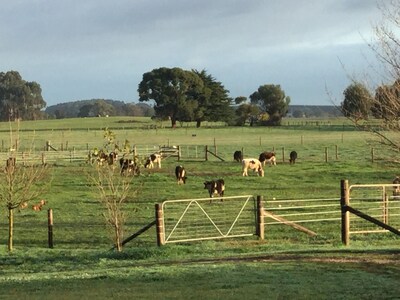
{"x": 81, "y": 108}
{"x": 314, "y": 111}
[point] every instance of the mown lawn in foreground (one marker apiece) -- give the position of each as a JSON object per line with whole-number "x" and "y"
{"x": 234, "y": 280}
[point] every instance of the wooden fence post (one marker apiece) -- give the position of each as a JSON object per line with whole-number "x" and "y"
{"x": 179, "y": 153}
{"x": 372, "y": 155}
{"x": 50, "y": 227}
{"x": 260, "y": 217}
{"x": 160, "y": 225}
{"x": 336, "y": 152}
{"x": 326, "y": 154}
{"x": 344, "y": 203}
{"x": 206, "y": 153}
{"x": 283, "y": 154}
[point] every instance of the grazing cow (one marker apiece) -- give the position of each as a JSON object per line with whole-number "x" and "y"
{"x": 112, "y": 158}
{"x": 38, "y": 207}
{"x": 238, "y": 156}
{"x": 396, "y": 190}
{"x": 253, "y": 164}
{"x": 10, "y": 163}
{"x": 102, "y": 157}
{"x": 215, "y": 187}
{"x": 267, "y": 157}
{"x": 180, "y": 174}
{"x": 153, "y": 159}
{"x": 128, "y": 166}
{"x": 293, "y": 157}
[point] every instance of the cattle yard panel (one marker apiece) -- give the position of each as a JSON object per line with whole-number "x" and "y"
{"x": 208, "y": 218}
{"x": 376, "y": 201}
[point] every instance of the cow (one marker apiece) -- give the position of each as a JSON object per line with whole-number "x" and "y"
{"x": 10, "y": 163}
{"x": 180, "y": 174}
{"x": 215, "y": 187}
{"x": 153, "y": 159}
{"x": 396, "y": 190}
{"x": 112, "y": 158}
{"x": 102, "y": 157}
{"x": 128, "y": 166}
{"x": 253, "y": 164}
{"x": 238, "y": 156}
{"x": 293, "y": 157}
{"x": 267, "y": 157}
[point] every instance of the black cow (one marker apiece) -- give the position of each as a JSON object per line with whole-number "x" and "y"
{"x": 215, "y": 187}
{"x": 293, "y": 157}
{"x": 180, "y": 174}
{"x": 396, "y": 188}
{"x": 238, "y": 156}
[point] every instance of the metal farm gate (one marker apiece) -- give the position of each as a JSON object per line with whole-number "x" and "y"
{"x": 369, "y": 209}
{"x": 206, "y": 219}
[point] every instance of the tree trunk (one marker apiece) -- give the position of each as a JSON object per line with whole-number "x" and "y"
{"x": 173, "y": 122}
{"x": 198, "y": 123}
{"x": 10, "y": 229}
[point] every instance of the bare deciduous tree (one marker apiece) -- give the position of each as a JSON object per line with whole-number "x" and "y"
{"x": 21, "y": 183}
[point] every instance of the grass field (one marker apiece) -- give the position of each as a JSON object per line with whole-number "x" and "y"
{"x": 287, "y": 265}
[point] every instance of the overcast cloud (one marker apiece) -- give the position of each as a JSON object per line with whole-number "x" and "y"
{"x": 100, "y": 49}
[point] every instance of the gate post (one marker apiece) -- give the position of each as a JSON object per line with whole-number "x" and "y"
{"x": 160, "y": 225}
{"x": 344, "y": 203}
{"x": 260, "y": 217}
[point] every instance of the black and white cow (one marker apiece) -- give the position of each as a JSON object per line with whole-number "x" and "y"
{"x": 153, "y": 159}
{"x": 267, "y": 157}
{"x": 215, "y": 187}
{"x": 128, "y": 166}
{"x": 293, "y": 157}
{"x": 180, "y": 174}
{"x": 238, "y": 156}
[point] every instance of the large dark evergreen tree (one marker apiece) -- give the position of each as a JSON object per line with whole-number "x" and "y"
{"x": 19, "y": 99}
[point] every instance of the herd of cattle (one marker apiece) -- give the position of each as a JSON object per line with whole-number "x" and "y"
{"x": 214, "y": 187}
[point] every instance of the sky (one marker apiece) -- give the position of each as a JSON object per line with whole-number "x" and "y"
{"x": 88, "y": 49}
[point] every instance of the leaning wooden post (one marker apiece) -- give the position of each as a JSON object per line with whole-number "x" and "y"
{"x": 260, "y": 217}
{"x": 206, "y": 153}
{"x": 50, "y": 227}
{"x": 160, "y": 225}
{"x": 344, "y": 203}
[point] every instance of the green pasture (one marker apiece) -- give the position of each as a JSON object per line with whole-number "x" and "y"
{"x": 287, "y": 264}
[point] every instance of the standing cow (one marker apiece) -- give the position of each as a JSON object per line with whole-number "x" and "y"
{"x": 215, "y": 187}
{"x": 252, "y": 164}
{"x": 153, "y": 159}
{"x": 293, "y": 157}
{"x": 267, "y": 157}
{"x": 396, "y": 188}
{"x": 238, "y": 156}
{"x": 180, "y": 174}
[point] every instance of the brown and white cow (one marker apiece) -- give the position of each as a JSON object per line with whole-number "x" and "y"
{"x": 267, "y": 157}
{"x": 153, "y": 159}
{"x": 252, "y": 164}
{"x": 215, "y": 187}
{"x": 180, "y": 174}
